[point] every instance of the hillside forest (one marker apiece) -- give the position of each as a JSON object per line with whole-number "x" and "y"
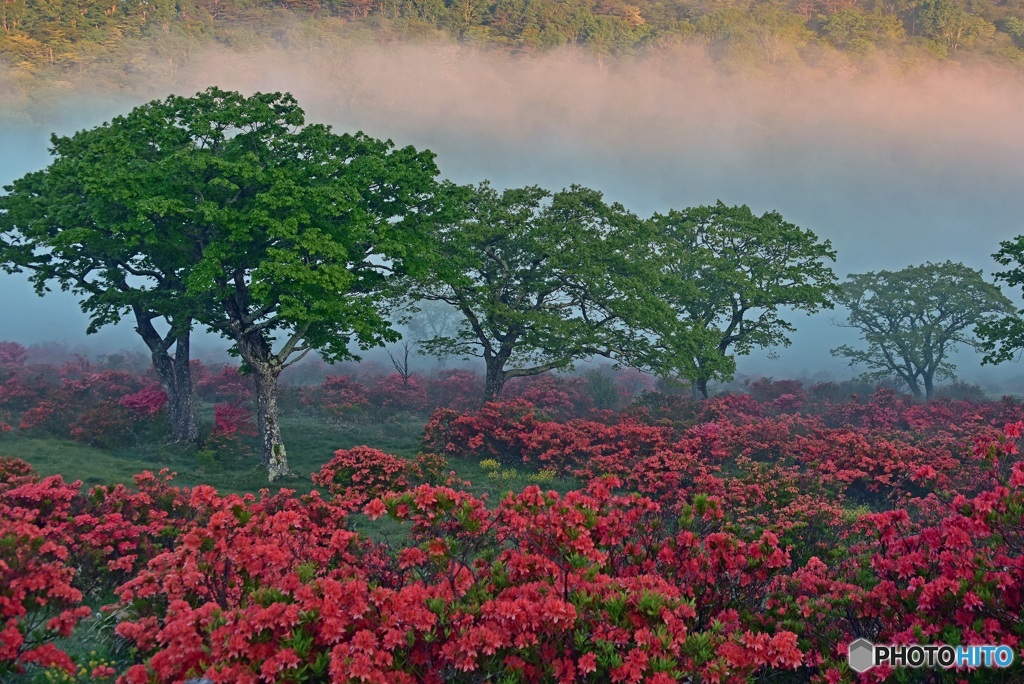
{"x": 115, "y": 43}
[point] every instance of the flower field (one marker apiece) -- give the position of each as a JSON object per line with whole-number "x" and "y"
{"x": 745, "y": 538}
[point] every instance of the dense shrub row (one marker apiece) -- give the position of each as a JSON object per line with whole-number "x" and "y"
{"x": 730, "y": 540}
{"x": 114, "y": 407}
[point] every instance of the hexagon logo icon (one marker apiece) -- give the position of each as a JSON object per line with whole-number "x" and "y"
{"x": 861, "y": 655}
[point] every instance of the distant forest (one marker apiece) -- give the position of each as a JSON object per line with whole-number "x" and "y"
{"x": 46, "y": 39}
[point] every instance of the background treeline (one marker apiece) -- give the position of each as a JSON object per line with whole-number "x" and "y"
{"x": 49, "y": 37}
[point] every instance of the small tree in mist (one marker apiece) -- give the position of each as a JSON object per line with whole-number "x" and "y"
{"x": 727, "y": 273}
{"x": 911, "y": 320}
{"x": 400, "y": 360}
{"x": 425, "y": 320}
{"x": 541, "y": 280}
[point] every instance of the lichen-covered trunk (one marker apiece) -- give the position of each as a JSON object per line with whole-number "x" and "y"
{"x": 275, "y": 458}
{"x": 265, "y": 366}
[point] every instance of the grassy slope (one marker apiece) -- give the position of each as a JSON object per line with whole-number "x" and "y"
{"x": 311, "y": 442}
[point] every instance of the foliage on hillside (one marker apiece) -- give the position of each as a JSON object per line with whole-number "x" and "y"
{"x": 118, "y": 39}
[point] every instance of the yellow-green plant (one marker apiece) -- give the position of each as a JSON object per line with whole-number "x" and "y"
{"x": 544, "y": 476}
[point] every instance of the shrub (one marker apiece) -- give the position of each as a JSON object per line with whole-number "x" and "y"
{"x": 226, "y": 386}
{"x": 361, "y": 473}
{"x": 336, "y": 396}
{"x": 106, "y": 426}
{"x": 395, "y": 394}
{"x": 455, "y": 389}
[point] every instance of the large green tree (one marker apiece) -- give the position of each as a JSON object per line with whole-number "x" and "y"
{"x": 541, "y": 281}
{"x": 300, "y": 230}
{"x": 284, "y": 233}
{"x": 1002, "y": 337}
{"x": 729, "y": 274}
{"x": 88, "y": 224}
{"x": 912, "y": 319}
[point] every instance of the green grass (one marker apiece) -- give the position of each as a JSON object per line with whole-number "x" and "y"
{"x": 310, "y": 442}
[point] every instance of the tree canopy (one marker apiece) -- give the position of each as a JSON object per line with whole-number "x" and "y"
{"x": 912, "y": 319}
{"x": 299, "y": 230}
{"x": 1002, "y": 338}
{"x": 541, "y": 280}
{"x": 280, "y": 235}
{"x": 91, "y": 222}
{"x": 728, "y": 273}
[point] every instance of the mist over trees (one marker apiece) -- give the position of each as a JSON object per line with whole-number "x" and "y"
{"x": 233, "y": 214}
{"x": 91, "y": 223}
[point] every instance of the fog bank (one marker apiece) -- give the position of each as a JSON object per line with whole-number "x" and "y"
{"x": 894, "y": 168}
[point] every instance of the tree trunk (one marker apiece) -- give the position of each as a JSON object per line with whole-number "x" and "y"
{"x": 699, "y": 388}
{"x": 175, "y": 374}
{"x": 929, "y": 388}
{"x": 182, "y": 410}
{"x": 275, "y": 458}
{"x": 915, "y": 388}
{"x": 266, "y": 368}
{"x": 494, "y": 380}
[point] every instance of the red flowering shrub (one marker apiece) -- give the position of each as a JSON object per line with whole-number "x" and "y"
{"x": 455, "y": 389}
{"x": 656, "y": 408}
{"x": 735, "y": 540}
{"x": 632, "y": 383}
{"x": 558, "y": 397}
{"x": 12, "y": 358}
{"x": 232, "y": 419}
{"x": 37, "y": 600}
{"x": 226, "y": 386}
{"x": 85, "y": 406}
{"x": 105, "y": 426}
{"x": 768, "y": 390}
{"x": 361, "y": 473}
{"x": 336, "y": 396}
{"x": 263, "y": 590}
{"x": 394, "y": 394}
{"x": 498, "y": 430}
{"x": 231, "y": 422}
{"x": 15, "y": 472}
{"x": 26, "y": 388}
{"x": 148, "y": 401}
{"x": 547, "y": 587}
